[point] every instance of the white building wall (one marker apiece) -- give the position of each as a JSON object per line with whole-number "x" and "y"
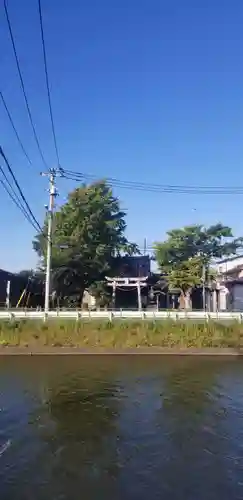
{"x": 222, "y": 300}
{"x": 88, "y": 300}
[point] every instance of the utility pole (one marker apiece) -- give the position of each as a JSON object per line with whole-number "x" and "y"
{"x": 204, "y": 290}
{"x": 145, "y": 246}
{"x": 52, "y": 194}
{"x": 8, "y": 294}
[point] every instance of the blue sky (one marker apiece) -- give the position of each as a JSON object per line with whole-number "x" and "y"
{"x": 147, "y": 90}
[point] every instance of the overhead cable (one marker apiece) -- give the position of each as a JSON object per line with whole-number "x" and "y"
{"x": 18, "y": 205}
{"x": 13, "y": 195}
{"x": 47, "y": 82}
{"x": 14, "y": 128}
{"x": 23, "y": 85}
{"x": 27, "y": 207}
{"x": 154, "y": 188}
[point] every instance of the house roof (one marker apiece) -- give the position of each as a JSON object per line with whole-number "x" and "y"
{"x": 234, "y": 269}
{"x": 229, "y": 259}
{"x": 236, "y": 281}
{"x": 5, "y": 274}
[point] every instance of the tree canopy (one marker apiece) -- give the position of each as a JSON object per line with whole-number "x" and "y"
{"x": 187, "y": 251}
{"x": 88, "y": 230}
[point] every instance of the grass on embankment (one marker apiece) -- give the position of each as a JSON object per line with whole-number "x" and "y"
{"x": 120, "y": 334}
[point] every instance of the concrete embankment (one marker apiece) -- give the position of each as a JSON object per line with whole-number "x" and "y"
{"x": 138, "y": 351}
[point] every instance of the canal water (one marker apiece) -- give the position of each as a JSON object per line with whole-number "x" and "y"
{"x": 121, "y": 428}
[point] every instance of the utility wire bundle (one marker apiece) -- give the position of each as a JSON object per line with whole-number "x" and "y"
{"x": 12, "y": 186}
{"x": 153, "y": 188}
{"x": 15, "y": 193}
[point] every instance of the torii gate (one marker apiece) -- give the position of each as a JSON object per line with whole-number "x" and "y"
{"x": 127, "y": 282}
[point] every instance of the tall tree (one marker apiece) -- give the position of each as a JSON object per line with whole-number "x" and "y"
{"x": 189, "y": 250}
{"x": 88, "y": 231}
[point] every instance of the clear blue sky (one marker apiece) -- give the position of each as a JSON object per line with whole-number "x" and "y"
{"x": 148, "y": 90}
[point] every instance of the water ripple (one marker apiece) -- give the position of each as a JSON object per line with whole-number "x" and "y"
{"x": 123, "y": 429}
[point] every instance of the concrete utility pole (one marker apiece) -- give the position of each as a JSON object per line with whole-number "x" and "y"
{"x": 52, "y": 194}
{"x": 8, "y": 294}
{"x": 204, "y": 289}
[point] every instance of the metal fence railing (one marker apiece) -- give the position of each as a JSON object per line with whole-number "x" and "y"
{"x": 77, "y": 315}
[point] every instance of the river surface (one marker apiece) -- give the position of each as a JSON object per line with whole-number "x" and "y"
{"x": 121, "y": 428}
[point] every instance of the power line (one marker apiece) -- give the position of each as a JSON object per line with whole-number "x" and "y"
{"x": 47, "y": 82}
{"x": 155, "y": 188}
{"x": 22, "y": 84}
{"x": 19, "y": 189}
{"x": 14, "y": 128}
{"x": 28, "y": 214}
{"x": 13, "y": 195}
{"x": 148, "y": 186}
{"x": 18, "y": 205}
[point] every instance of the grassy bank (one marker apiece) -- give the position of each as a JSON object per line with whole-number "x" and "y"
{"x": 124, "y": 334}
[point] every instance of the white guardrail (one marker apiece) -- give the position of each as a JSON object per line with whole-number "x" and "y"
{"x": 122, "y": 314}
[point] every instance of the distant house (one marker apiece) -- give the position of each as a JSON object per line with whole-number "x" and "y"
{"x": 230, "y": 277}
{"x": 128, "y": 281}
{"x": 138, "y": 266}
{"x": 224, "y": 266}
{"x": 18, "y": 284}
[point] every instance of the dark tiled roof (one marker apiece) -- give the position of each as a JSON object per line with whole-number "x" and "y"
{"x": 236, "y": 281}
{"x": 4, "y": 273}
{"x": 229, "y": 259}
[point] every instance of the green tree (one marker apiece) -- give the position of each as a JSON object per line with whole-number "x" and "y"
{"x": 88, "y": 230}
{"x": 187, "y": 251}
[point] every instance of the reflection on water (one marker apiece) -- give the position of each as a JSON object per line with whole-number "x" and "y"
{"x": 123, "y": 428}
